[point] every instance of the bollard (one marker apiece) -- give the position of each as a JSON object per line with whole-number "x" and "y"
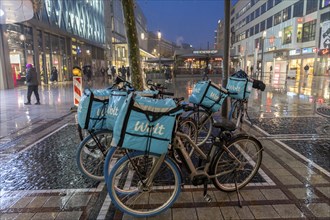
{"x": 77, "y": 87}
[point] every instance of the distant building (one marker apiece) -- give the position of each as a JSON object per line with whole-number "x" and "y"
{"x": 219, "y": 37}
{"x": 282, "y": 36}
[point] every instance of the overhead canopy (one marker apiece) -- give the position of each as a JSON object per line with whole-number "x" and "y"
{"x": 162, "y": 60}
{"x": 15, "y": 11}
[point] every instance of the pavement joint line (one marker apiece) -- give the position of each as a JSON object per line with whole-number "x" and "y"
{"x": 303, "y": 157}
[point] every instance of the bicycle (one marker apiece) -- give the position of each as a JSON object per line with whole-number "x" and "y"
{"x": 144, "y": 184}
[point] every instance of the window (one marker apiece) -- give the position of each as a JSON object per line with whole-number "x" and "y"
{"x": 233, "y": 11}
{"x": 287, "y": 13}
{"x": 309, "y": 29}
{"x": 270, "y": 4}
{"x": 251, "y": 31}
{"x": 252, "y": 2}
{"x": 325, "y": 17}
{"x": 257, "y": 13}
{"x": 232, "y": 20}
{"x": 247, "y": 33}
{"x": 311, "y": 6}
{"x": 287, "y": 36}
{"x": 263, "y": 9}
{"x": 270, "y": 22}
{"x": 299, "y": 32}
{"x": 256, "y": 43}
{"x": 277, "y": 1}
{"x": 256, "y": 29}
{"x": 252, "y": 16}
{"x": 277, "y": 18}
{"x": 262, "y": 25}
{"x": 298, "y": 9}
{"x": 324, "y": 3}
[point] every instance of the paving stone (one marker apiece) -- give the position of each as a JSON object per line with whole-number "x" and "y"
{"x": 288, "y": 211}
{"x": 244, "y": 212}
{"x": 304, "y": 171}
{"x": 78, "y": 200}
{"x": 252, "y": 195}
{"x": 44, "y": 215}
{"x": 229, "y": 212}
{"x": 263, "y": 211}
{"x": 303, "y": 193}
{"x": 8, "y": 216}
{"x": 221, "y": 196}
{"x": 74, "y": 215}
{"x": 280, "y": 172}
{"x": 325, "y": 191}
{"x": 289, "y": 180}
{"x": 167, "y": 215}
{"x": 184, "y": 213}
{"x": 23, "y": 202}
{"x": 25, "y": 216}
{"x": 316, "y": 179}
{"x": 56, "y": 201}
{"x": 185, "y": 197}
{"x": 274, "y": 194}
{"x": 129, "y": 217}
{"x": 199, "y": 196}
{"x": 207, "y": 213}
{"x": 320, "y": 209}
{"x": 37, "y": 202}
{"x": 158, "y": 198}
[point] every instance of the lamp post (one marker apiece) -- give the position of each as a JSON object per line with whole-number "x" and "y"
{"x": 159, "y": 35}
{"x": 262, "y": 52}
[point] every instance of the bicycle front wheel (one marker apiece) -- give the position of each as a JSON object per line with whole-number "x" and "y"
{"x": 91, "y": 154}
{"x": 237, "y": 163}
{"x": 204, "y": 123}
{"x": 131, "y": 173}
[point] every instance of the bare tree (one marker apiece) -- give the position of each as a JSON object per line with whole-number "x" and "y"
{"x": 133, "y": 44}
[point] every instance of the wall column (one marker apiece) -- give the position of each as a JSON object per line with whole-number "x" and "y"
{"x": 6, "y": 78}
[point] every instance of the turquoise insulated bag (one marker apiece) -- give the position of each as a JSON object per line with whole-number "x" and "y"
{"x": 239, "y": 88}
{"x": 208, "y": 95}
{"x": 92, "y": 111}
{"x": 117, "y": 99}
{"x": 145, "y": 124}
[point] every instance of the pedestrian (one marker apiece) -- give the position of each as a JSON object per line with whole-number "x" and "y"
{"x": 54, "y": 75}
{"x": 128, "y": 73}
{"x": 251, "y": 70}
{"x": 32, "y": 83}
{"x": 167, "y": 73}
{"x": 206, "y": 71}
{"x": 87, "y": 70}
{"x": 306, "y": 68}
{"x": 102, "y": 70}
{"x": 113, "y": 72}
{"x": 271, "y": 69}
{"x": 123, "y": 72}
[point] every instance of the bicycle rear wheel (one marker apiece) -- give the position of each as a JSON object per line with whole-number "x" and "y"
{"x": 204, "y": 123}
{"x": 130, "y": 174}
{"x": 238, "y": 163}
{"x": 91, "y": 155}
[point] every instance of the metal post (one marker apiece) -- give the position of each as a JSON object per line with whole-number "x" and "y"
{"x": 262, "y": 57}
{"x": 159, "y": 54}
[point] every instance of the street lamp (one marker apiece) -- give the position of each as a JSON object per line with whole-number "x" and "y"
{"x": 262, "y": 52}
{"x": 159, "y": 35}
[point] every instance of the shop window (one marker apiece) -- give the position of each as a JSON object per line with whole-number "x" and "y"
{"x": 324, "y": 3}
{"x": 270, "y": 4}
{"x": 287, "y": 36}
{"x": 256, "y": 29}
{"x": 309, "y": 29}
{"x": 263, "y": 8}
{"x": 287, "y": 13}
{"x": 247, "y": 33}
{"x": 256, "y": 43}
{"x": 277, "y": 18}
{"x": 252, "y": 16}
{"x": 252, "y": 2}
{"x": 270, "y": 22}
{"x": 311, "y": 6}
{"x": 298, "y": 9}
{"x": 299, "y": 33}
{"x": 262, "y": 25}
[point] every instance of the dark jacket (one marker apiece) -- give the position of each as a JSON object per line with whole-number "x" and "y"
{"x": 31, "y": 77}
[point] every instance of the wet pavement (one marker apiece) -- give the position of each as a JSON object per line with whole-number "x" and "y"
{"x": 40, "y": 180}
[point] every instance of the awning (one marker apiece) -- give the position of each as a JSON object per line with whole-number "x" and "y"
{"x": 162, "y": 60}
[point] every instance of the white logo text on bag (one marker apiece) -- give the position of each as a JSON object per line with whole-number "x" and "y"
{"x": 143, "y": 127}
{"x": 234, "y": 88}
{"x": 196, "y": 90}
{"x": 214, "y": 96}
{"x": 113, "y": 111}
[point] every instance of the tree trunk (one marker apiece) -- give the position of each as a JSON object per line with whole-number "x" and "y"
{"x": 133, "y": 44}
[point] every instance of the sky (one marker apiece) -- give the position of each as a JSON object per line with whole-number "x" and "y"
{"x": 188, "y": 21}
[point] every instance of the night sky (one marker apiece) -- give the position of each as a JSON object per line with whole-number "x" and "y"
{"x": 188, "y": 21}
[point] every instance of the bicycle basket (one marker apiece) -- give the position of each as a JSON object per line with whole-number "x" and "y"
{"x": 117, "y": 99}
{"x": 92, "y": 111}
{"x": 145, "y": 124}
{"x": 239, "y": 88}
{"x": 208, "y": 95}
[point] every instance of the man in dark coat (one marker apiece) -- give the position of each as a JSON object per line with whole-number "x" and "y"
{"x": 32, "y": 83}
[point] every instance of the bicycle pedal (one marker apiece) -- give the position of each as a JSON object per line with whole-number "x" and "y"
{"x": 208, "y": 198}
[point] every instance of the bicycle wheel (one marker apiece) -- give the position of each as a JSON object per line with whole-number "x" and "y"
{"x": 90, "y": 156}
{"x": 237, "y": 162}
{"x": 83, "y": 133}
{"x": 130, "y": 174}
{"x": 113, "y": 155}
{"x": 204, "y": 123}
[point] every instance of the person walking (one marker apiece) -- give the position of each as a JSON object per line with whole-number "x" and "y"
{"x": 123, "y": 72}
{"x": 32, "y": 83}
{"x": 306, "y": 68}
{"x": 54, "y": 75}
{"x": 251, "y": 70}
{"x": 113, "y": 72}
{"x": 167, "y": 73}
{"x": 128, "y": 74}
{"x": 206, "y": 71}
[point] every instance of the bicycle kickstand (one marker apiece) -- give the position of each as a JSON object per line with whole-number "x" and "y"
{"x": 207, "y": 197}
{"x": 238, "y": 193}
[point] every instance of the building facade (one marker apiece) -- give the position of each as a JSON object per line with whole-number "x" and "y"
{"x": 219, "y": 37}
{"x": 63, "y": 34}
{"x": 281, "y": 37}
